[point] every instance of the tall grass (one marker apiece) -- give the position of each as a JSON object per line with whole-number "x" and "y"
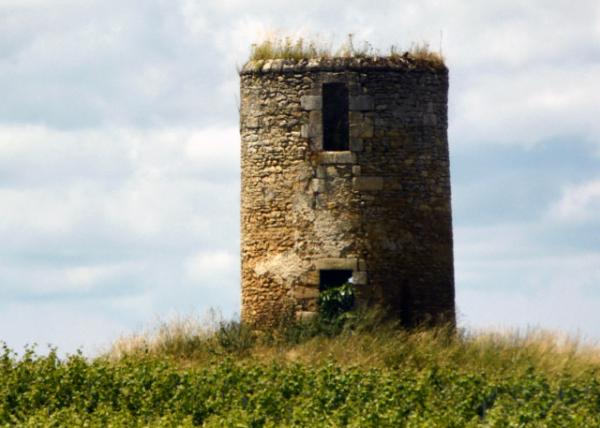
{"x": 296, "y": 49}
{"x": 365, "y": 340}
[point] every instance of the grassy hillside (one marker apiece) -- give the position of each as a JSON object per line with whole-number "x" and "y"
{"x": 364, "y": 374}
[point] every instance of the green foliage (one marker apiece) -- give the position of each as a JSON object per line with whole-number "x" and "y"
{"x": 364, "y": 372}
{"x": 146, "y": 391}
{"x": 235, "y": 337}
{"x": 335, "y": 301}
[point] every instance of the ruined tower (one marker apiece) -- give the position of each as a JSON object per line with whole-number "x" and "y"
{"x": 345, "y": 174}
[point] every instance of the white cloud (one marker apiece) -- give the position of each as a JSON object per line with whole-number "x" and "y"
{"x": 90, "y": 196}
{"x": 119, "y": 149}
{"x": 202, "y": 267}
{"x": 77, "y": 278}
{"x": 526, "y": 107}
{"x": 578, "y": 203}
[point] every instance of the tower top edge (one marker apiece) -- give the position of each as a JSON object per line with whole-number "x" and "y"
{"x": 396, "y": 63}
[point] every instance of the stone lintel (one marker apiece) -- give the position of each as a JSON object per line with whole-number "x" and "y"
{"x": 361, "y": 103}
{"x": 367, "y": 183}
{"x": 350, "y": 263}
{"x": 334, "y": 157}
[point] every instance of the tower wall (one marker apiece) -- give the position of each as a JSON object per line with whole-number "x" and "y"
{"x": 380, "y": 209}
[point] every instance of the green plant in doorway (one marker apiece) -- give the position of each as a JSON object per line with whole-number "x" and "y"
{"x": 335, "y": 302}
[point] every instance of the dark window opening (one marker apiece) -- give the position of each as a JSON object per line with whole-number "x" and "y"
{"x": 335, "y": 117}
{"x": 333, "y": 278}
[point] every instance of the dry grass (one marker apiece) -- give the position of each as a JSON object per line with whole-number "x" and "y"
{"x": 287, "y": 48}
{"x": 421, "y": 53}
{"x": 486, "y": 352}
{"x": 300, "y": 48}
{"x": 186, "y": 339}
{"x": 365, "y": 343}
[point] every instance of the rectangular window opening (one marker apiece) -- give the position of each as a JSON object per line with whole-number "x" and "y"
{"x": 331, "y": 278}
{"x": 336, "y": 133}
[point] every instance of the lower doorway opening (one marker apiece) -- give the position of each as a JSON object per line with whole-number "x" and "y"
{"x": 331, "y": 278}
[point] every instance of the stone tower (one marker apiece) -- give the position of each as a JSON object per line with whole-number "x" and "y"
{"x": 345, "y": 174}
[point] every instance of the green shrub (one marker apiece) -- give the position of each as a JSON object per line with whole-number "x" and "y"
{"x": 45, "y": 391}
{"x": 335, "y": 301}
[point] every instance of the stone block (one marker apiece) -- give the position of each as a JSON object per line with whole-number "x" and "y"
{"x": 355, "y": 117}
{"x": 316, "y": 143}
{"x": 366, "y": 129}
{"x": 314, "y": 130}
{"x": 367, "y": 183}
{"x": 276, "y": 65}
{"x": 250, "y": 66}
{"x": 321, "y": 172}
{"x": 266, "y": 66}
{"x": 429, "y": 119}
{"x": 312, "y": 278}
{"x": 359, "y": 278}
{"x": 305, "y": 315}
{"x": 331, "y": 171}
{"x": 318, "y": 185}
{"x": 361, "y": 128}
{"x": 361, "y": 103}
{"x": 306, "y": 292}
{"x": 311, "y": 102}
{"x": 304, "y": 131}
{"x": 344, "y": 157}
{"x": 252, "y": 123}
{"x": 356, "y": 144}
{"x": 356, "y": 170}
{"x": 313, "y": 64}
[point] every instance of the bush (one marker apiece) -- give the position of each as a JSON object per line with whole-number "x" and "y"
{"x": 335, "y": 301}
{"x": 147, "y": 391}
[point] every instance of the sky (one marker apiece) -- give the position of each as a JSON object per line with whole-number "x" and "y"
{"x": 120, "y": 169}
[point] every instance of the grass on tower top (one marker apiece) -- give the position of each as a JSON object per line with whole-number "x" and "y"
{"x": 297, "y": 49}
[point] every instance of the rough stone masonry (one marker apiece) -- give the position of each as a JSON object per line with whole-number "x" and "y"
{"x": 378, "y": 209}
